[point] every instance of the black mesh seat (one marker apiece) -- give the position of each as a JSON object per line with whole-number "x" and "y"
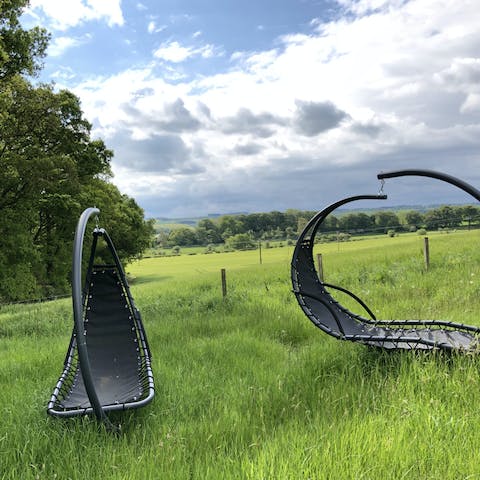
{"x": 110, "y": 369}
{"x": 317, "y": 302}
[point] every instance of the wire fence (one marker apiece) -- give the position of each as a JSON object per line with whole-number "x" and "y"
{"x": 257, "y": 244}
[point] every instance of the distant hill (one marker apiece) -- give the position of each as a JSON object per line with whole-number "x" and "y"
{"x": 396, "y": 208}
{"x": 216, "y": 215}
{"x": 178, "y": 221}
{"x": 167, "y": 224}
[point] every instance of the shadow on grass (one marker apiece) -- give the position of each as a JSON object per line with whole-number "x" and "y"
{"x": 119, "y": 423}
{"x": 390, "y": 360}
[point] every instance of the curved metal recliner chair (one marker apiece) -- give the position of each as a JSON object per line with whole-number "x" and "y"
{"x": 319, "y": 305}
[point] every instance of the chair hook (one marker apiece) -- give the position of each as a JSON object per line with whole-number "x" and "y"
{"x": 382, "y": 184}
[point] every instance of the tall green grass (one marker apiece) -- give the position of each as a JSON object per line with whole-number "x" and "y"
{"x": 247, "y": 387}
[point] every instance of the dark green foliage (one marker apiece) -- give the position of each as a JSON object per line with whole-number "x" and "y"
{"x": 182, "y": 236}
{"x": 51, "y": 170}
{"x": 241, "y": 241}
{"x": 207, "y": 232}
{"x": 443, "y": 217}
{"x": 121, "y": 217}
{"x": 18, "y": 258}
{"x": 21, "y": 50}
{"x": 470, "y": 214}
{"x": 360, "y": 222}
{"x": 414, "y": 219}
{"x": 386, "y": 220}
{"x": 288, "y": 225}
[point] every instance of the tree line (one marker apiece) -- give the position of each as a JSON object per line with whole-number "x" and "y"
{"x": 51, "y": 170}
{"x": 247, "y": 229}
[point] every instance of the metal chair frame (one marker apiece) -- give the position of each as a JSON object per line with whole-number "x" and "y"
{"x": 80, "y": 377}
{"x": 318, "y": 304}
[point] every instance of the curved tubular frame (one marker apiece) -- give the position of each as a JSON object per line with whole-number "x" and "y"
{"x": 121, "y": 271}
{"x": 310, "y": 231}
{"x": 304, "y": 250}
{"x": 137, "y": 317}
{"x": 355, "y": 297}
{"x": 78, "y": 355}
{"x": 77, "y": 299}
{"x": 318, "y": 219}
{"x": 433, "y": 174}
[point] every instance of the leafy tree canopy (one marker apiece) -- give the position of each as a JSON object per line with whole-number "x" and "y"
{"x": 52, "y": 169}
{"x": 21, "y": 51}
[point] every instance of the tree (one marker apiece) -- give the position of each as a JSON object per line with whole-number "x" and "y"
{"x": 470, "y": 214}
{"x": 207, "y": 232}
{"x": 240, "y": 241}
{"x": 290, "y": 233}
{"x": 386, "y": 220}
{"x": 443, "y": 217}
{"x": 122, "y": 218}
{"x": 51, "y": 170}
{"x": 330, "y": 224}
{"x": 182, "y": 236}
{"x": 278, "y": 233}
{"x": 301, "y": 224}
{"x": 18, "y": 257}
{"x": 231, "y": 224}
{"x": 161, "y": 239}
{"x": 414, "y": 218}
{"x": 21, "y": 51}
{"x": 359, "y": 222}
{"x": 291, "y": 217}
{"x": 48, "y": 158}
{"x": 277, "y": 220}
{"x": 254, "y": 222}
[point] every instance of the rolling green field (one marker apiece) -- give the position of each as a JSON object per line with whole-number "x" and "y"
{"x": 248, "y": 388}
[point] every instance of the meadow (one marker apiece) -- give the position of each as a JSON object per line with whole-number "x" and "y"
{"x": 248, "y": 388}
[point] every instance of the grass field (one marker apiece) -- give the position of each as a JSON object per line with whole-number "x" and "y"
{"x": 248, "y": 388}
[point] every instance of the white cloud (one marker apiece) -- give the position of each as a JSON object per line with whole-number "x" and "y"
{"x": 63, "y": 74}
{"x": 62, "y": 14}
{"x": 471, "y": 103}
{"x": 364, "y": 7}
{"x": 59, "y": 45}
{"x": 173, "y": 52}
{"x": 152, "y": 27}
{"x": 176, "y": 53}
{"x": 389, "y": 84}
{"x": 462, "y": 76}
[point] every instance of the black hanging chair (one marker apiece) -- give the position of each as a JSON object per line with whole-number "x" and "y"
{"x": 318, "y": 304}
{"x": 107, "y": 366}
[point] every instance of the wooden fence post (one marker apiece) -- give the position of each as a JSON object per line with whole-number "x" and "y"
{"x": 224, "y": 282}
{"x": 426, "y": 252}
{"x": 320, "y": 267}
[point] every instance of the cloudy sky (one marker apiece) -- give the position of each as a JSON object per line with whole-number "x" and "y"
{"x": 216, "y": 106}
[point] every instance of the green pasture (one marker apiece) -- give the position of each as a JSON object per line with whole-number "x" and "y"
{"x": 156, "y": 269}
{"x": 248, "y": 388}
{"x": 193, "y": 262}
